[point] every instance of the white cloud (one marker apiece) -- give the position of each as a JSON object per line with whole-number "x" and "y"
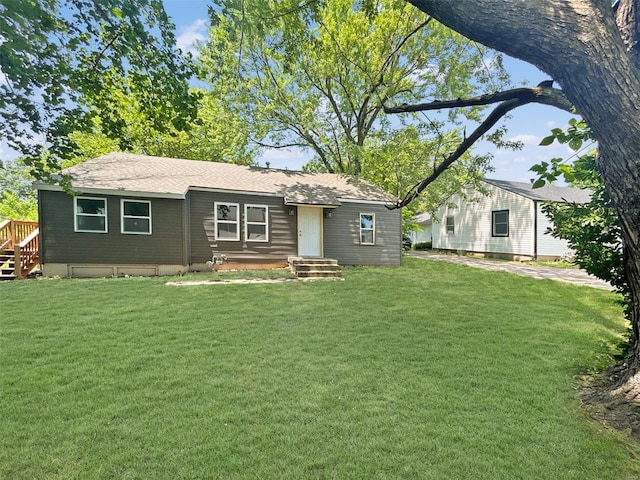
{"x": 527, "y": 140}
{"x": 191, "y": 36}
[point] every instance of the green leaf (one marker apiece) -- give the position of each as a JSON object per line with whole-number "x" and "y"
{"x": 547, "y": 140}
{"x": 575, "y": 144}
{"x": 539, "y": 183}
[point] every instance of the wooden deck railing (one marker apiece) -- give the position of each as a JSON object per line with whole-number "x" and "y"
{"x": 21, "y": 237}
{"x": 13, "y": 232}
{"x": 5, "y": 234}
{"x": 27, "y": 254}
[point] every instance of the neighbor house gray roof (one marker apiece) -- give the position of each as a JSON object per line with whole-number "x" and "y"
{"x": 120, "y": 173}
{"x": 548, "y": 193}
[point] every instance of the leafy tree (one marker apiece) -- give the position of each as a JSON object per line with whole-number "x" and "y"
{"x": 591, "y": 229}
{"x": 316, "y": 76}
{"x": 592, "y": 51}
{"x": 214, "y": 135}
{"x": 397, "y": 159}
{"x": 58, "y": 56}
{"x": 18, "y": 200}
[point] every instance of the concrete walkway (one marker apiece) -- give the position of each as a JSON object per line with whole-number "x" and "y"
{"x": 571, "y": 275}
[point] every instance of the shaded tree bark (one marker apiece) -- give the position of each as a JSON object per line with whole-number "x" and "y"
{"x": 591, "y": 51}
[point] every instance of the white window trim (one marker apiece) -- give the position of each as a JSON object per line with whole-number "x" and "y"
{"x": 216, "y": 221}
{"x": 123, "y": 216}
{"x": 75, "y": 215}
{"x": 373, "y": 229}
{"x": 247, "y": 223}
{"x": 493, "y": 223}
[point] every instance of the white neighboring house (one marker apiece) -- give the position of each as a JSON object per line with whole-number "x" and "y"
{"x": 507, "y": 223}
{"x": 424, "y": 222}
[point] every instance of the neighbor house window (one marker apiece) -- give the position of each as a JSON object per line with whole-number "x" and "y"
{"x": 367, "y": 228}
{"x": 451, "y": 229}
{"x": 227, "y": 221}
{"x": 500, "y": 223}
{"x": 135, "y": 217}
{"x": 90, "y": 214}
{"x": 256, "y": 226}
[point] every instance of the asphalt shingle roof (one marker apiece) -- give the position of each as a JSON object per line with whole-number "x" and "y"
{"x": 548, "y": 193}
{"x": 143, "y": 174}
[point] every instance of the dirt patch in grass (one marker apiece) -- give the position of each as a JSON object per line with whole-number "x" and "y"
{"x": 614, "y": 399}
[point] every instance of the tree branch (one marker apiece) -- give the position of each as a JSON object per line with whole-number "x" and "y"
{"x": 531, "y": 95}
{"x": 540, "y": 94}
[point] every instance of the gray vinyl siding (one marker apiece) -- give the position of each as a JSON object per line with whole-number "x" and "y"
{"x": 61, "y": 244}
{"x": 342, "y": 235}
{"x": 282, "y": 229}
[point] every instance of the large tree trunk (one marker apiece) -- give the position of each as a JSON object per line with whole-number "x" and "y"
{"x": 580, "y": 45}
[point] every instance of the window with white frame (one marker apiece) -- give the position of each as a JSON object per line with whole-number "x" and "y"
{"x": 227, "y": 221}
{"x": 367, "y": 228}
{"x": 500, "y": 223}
{"x": 256, "y": 223}
{"x": 135, "y": 217}
{"x": 90, "y": 214}
{"x": 451, "y": 227}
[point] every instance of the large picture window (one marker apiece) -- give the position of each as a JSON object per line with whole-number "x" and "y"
{"x": 90, "y": 214}
{"x": 500, "y": 223}
{"x": 135, "y": 217}
{"x": 451, "y": 226}
{"x": 256, "y": 223}
{"x": 367, "y": 228}
{"x": 227, "y": 221}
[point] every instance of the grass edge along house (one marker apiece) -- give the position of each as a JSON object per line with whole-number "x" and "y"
{"x": 144, "y": 215}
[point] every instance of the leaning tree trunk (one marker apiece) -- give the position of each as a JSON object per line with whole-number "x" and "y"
{"x": 594, "y": 59}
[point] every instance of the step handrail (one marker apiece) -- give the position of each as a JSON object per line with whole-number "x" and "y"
{"x": 6, "y": 235}
{"x": 27, "y": 254}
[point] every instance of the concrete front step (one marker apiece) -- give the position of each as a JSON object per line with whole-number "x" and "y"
{"x": 312, "y": 261}
{"x": 315, "y": 268}
{"x": 305, "y": 267}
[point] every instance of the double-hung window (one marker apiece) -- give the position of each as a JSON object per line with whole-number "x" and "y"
{"x": 367, "y": 229}
{"x": 135, "y": 217}
{"x": 500, "y": 223}
{"x": 256, "y": 223}
{"x": 451, "y": 226}
{"x": 227, "y": 221}
{"x": 90, "y": 214}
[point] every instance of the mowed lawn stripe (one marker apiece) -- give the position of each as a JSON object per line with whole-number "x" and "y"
{"x": 424, "y": 371}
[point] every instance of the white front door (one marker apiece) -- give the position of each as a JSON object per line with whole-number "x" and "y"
{"x": 309, "y": 232}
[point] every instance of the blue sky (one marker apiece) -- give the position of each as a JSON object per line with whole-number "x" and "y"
{"x": 528, "y": 124}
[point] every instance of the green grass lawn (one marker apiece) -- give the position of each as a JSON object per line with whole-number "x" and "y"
{"x": 428, "y": 371}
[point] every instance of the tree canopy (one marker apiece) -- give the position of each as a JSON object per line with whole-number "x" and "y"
{"x": 17, "y": 199}
{"x": 317, "y": 75}
{"x": 56, "y": 57}
{"x": 213, "y": 135}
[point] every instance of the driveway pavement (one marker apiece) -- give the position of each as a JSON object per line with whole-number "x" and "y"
{"x": 571, "y": 275}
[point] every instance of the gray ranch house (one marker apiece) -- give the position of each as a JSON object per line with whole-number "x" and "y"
{"x": 143, "y": 215}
